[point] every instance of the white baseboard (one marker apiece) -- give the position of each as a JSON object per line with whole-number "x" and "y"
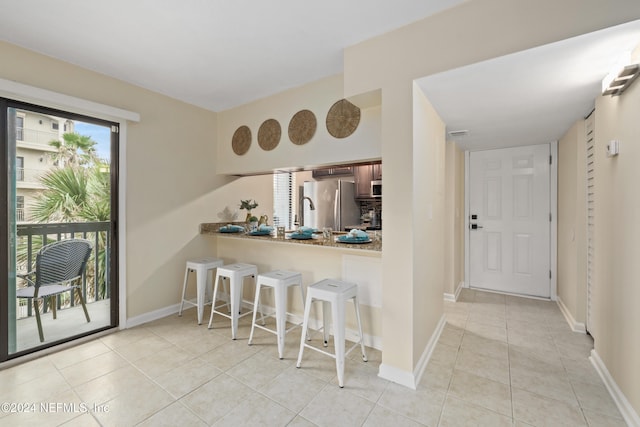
{"x": 628, "y": 413}
{"x": 412, "y": 379}
{"x": 397, "y": 376}
{"x": 450, "y": 297}
{"x": 315, "y": 324}
{"x": 454, "y": 297}
{"x": 152, "y": 315}
{"x": 575, "y": 326}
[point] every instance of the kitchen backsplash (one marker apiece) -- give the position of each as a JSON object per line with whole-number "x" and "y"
{"x": 367, "y": 205}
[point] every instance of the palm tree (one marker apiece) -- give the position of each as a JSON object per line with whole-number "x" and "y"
{"x": 74, "y": 150}
{"x": 78, "y": 190}
{"x": 76, "y": 194}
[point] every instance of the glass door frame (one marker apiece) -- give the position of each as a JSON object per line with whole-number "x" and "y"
{"x": 7, "y": 231}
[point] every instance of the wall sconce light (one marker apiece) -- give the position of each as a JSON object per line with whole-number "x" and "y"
{"x": 618, "y": 80}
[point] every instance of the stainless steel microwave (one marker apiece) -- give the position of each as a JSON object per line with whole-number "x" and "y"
{"x": 376, "y": 188}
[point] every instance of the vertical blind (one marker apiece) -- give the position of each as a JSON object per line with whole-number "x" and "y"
{"x": 284, "y": 195}
{"x": 590, "y": 134}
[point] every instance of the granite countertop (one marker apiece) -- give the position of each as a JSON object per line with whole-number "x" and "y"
{"x": 317, "y": 240}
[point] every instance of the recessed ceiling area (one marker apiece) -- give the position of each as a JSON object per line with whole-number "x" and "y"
{"x": 530, "y": 97}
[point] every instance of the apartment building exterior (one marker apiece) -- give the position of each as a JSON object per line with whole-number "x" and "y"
{"x": 34, "y": 157}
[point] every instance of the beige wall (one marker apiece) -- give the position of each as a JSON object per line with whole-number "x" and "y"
{"x": 462, "y": 35}
{"x": 428, "y": 229}
{"x": 322, "y": 149}
{"x": 454, "y": 218}
{"x": 171, "y": 180}
{"x": 572, "y": 212}
{"x": 617, "y": 241}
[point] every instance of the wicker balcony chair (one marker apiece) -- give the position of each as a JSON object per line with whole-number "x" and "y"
{"x": 59, "y": 268}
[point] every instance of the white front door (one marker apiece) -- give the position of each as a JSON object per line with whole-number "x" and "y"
{"x": 509, "y": 222}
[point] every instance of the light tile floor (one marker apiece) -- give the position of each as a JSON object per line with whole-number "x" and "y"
{"x": 500, "y": 360}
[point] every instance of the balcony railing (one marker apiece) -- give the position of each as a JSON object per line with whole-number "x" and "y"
{"x": 30, "y": 175}
{"x": 36, "y": 136}
{"x": 96, "y": 283}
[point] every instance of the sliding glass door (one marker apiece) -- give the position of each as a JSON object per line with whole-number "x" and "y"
{"x": 58, "y": 219}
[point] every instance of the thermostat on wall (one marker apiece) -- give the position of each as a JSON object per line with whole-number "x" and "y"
{"x": 612, "y": 148}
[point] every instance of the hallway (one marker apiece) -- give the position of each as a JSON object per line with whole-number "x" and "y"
{"x": 517, "y": 357}
{"x": 500, "y": 360}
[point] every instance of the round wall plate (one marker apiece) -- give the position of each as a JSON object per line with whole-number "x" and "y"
{"x": 269, "y": 134}
{"x": 343, "y": 119}
{"x": 241, "y": 140}
{"x": 302, "y": 127}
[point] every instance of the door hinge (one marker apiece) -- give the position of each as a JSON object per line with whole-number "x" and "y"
{"x": 115, "y": 129}
{"x": 549, "y": 274}
{"x": 550, "y": 160}
{"x": 550, "y": 217}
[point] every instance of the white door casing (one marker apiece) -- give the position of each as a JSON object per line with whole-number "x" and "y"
{"x": 510, "y": 249}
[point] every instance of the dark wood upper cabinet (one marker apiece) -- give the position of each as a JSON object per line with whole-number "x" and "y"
{"x": 376, "y": 172}
{"x": 363, "y": 175}
{"x": 333, "y": 171}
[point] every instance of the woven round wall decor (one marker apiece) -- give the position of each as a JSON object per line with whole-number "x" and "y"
{"x": 302, "y": 127}
{"x": 241, "y": 140}
{"x": 343, "y": 119}
{"x": 269, "y": 134}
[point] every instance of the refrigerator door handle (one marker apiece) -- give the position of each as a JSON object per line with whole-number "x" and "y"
{"x": 336, "y": 211}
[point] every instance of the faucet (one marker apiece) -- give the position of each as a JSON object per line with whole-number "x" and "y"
{"x": 311, "y": 206}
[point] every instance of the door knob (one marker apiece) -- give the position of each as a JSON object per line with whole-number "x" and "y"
{"x": 474, "y": 226}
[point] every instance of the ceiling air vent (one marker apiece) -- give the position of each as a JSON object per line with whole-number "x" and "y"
{"x": 458, "y": 133}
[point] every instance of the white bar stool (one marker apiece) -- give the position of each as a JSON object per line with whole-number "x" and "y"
{"x": 333, "y": 294}
{"x": 280, "y": 281}
{"x": 201, "y": 267}
{"x": 236, "y": 273}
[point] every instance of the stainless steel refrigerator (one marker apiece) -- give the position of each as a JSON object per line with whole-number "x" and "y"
{"x": 334, "y": 203}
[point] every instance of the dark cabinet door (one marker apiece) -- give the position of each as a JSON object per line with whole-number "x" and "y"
{"x": 342, "y": 171}
{"x": 321, "y": 173}
{"x": 377, "y": 172}
{"x": 362, "y": 177}
{"x": 336, "y": 171}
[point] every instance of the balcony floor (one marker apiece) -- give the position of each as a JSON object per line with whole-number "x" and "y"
{"x": 69, "y": 322}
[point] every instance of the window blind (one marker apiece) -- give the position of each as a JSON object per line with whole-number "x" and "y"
{"x": 591, "y": 200}
{"x": 284, "y": 195}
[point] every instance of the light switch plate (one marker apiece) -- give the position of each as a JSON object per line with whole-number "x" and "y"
{"x": 613, "y": 148}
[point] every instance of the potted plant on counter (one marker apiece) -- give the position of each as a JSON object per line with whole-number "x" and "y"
{"x": 249, "y": 205}
{"x": 253, "y": 223}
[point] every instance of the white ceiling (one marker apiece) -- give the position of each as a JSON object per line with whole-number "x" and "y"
{"x": 212, "y": 53}
{"x": 530, "y": 97}
{"x": 220, "y": 54}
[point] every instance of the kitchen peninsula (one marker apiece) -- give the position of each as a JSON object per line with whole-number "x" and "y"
{"x": 315, "y": 259}
{"x": 374, "y": 245}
